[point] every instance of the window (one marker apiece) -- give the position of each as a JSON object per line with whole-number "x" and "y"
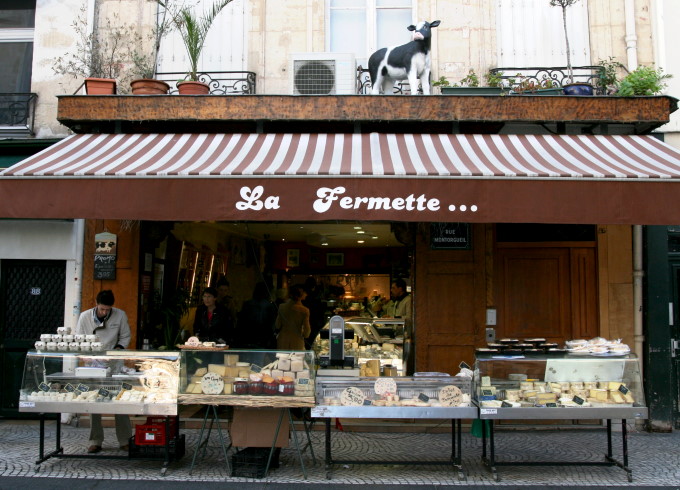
{"x": 17, "y": 19}
{"x": 531, "y": 33}
{"x": 364, "y": 26}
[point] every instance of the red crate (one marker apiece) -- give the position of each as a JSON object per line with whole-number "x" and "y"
{"x": 153, "y": 432}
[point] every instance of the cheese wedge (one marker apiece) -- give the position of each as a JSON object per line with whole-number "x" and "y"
{"x": 220, "y": 369}
{"x": 201, "y": 372}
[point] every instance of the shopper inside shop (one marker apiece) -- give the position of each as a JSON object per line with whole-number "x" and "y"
{"x": 255, "y": 323}
{"x": 111, "y": 327}
{"x": 213, "y": 322}
{"x": 292, "y": 322}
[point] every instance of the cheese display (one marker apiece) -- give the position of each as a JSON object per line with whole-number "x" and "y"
{"x": 556, "y": 381}
{"x": 255, "y": 373}
{"x": 133, "y": 381}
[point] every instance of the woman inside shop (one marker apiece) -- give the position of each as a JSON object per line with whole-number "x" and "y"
{"x": 292, "y": 322}
{"x": 213, "y": 322}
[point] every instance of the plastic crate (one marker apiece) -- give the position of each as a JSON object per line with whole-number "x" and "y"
{"x": 176, "y": 448}
{"x": 153, "y": 433}
{"x": 251, "y": 462}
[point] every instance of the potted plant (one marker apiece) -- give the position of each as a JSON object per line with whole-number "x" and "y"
{"x": 644, "y": 80}
{"x": 571, "y": 88}
{"x": 193, "y": 29}
{"x": 99, "y": 57}
{"x": 525, "y": 86}
{"x": 144, "y": 62}
{"x": 608, "y": 80}
{"x": 469, "y": 85}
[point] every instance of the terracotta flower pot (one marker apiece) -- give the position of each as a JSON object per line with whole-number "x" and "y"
{"x": 193, "y": 88}
{"x": 147, "y": 86}
{"x": 100, "y": 86}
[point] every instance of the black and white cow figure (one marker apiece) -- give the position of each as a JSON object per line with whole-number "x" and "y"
{"x": 409, "y": 61}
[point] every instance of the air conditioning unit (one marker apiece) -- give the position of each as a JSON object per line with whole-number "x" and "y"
{"x": 323, "y": 73}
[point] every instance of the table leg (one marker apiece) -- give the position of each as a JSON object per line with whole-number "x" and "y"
{"x": 200, "y": 439}
{"x": 225, "y": 450}
{"x": 276, "y": 436}
{"x": 610, "y": 453}
{"x": 297, "y": 444}
{"x": 309, "y": 440}
{"x": 329, "y": 459}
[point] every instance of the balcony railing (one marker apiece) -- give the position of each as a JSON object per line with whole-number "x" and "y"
{"x": 220, "y": 82}
{"x": 549, "y": 77}
{"x": 17, "y": 113}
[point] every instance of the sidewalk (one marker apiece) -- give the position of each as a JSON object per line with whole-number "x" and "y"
{"x": 654, "y": 459}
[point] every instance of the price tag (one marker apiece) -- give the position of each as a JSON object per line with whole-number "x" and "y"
{"x": 423, "y": 397}
{"x": 487, "y": 393}
{"x": 506, "y": 404}
{"x": 303, "y": 381}
{"x": 44, "y": 387}
{"x": 26, "y": 404}
{"x": 551, "y": 404}
{"x": 77, "y": 392}
{"x": 623, "y": 389}
{"x": 488, "y": 411}
{"x": 368, "y": 402}
{"x": 103, "y": 392}
{"x": 83, "y": 388}
{"x": 70, "y": 388}
{"x": 255, "y": 368}
{"x": 578, "y": 400}
{"x": 464, "y": 365}
{"x": 126, "y": 386}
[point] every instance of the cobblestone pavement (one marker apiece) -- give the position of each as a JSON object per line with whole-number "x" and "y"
{"x": 653, "y": 458}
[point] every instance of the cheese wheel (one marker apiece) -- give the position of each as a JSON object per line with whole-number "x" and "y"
{"x": 385, "y": 385}
{"x": 352, "y": 396}
{"x": 450, "y": 396}
{"x": 212, "y": 384}
{"x": 193, "y": 342}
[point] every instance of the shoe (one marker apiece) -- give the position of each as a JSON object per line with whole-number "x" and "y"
{"x": 94, "y": 449}
{"x": 125, "y": 447}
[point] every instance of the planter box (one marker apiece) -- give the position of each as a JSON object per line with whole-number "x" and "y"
{"x": 543, "y": 91}
{"x": 472, "y": 90}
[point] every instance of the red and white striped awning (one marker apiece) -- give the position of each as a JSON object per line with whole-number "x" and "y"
{"x": 362, "y": 155}
{"x": 403, "y": 177}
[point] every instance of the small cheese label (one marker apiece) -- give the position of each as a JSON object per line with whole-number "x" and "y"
{"x": 488, "y": 411}
{"x": 623, "y": 389}
{"x": 506, "y": 404}
{"x": 487, "y": 393}
{"x": 126, "y": 386}
{"x": 26, "y": 404}
{"x": 464, "y": 365}
{"x": 578, "y": 400}
{"x": 44, "y": 387}
{"x": 83, "y": 388}
{"x": 70, "y": 388}
{"x": 423, "y": 397}
{"x": 303, "y": 381}
{"x": 103, "y": 392}
{"x": 255, "y": 368}
{"x": 368, "y": 402}
{"x": 551, "y": 404}
{"x": 77, "y": 392}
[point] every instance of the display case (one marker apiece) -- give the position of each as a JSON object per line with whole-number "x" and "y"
{"x": 370, "y": 339}
{"x": 250, "y": 378}
{"x": 559, "y": 386}
{"x": 402, "y": 397}
{"x": 109, "y": 382}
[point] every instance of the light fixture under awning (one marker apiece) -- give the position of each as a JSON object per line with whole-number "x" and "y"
{"x": 395, "y": 177}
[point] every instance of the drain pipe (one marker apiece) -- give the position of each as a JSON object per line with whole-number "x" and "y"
{"x": 631, "y": 36}
{"x": 78, "y": 273}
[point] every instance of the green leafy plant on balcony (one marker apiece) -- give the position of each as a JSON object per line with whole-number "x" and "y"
{"x": 644, "y": 80}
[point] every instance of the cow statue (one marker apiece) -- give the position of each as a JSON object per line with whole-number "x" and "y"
{"x": 410, "y": 60}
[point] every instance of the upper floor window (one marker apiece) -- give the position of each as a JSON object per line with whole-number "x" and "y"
{"x": 17, "y": 20}
{"x": 531, "y": 34}
{"x": 364, "y": 26}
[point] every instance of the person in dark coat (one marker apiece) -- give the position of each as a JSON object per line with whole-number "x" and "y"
{"x": 213, "y": 322}
{"x": 255, "y": 324}
{"x": 317, "y": 310}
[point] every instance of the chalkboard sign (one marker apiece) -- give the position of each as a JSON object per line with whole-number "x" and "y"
{"x": 104, "y": 266}
{"x": 450, "y": 236}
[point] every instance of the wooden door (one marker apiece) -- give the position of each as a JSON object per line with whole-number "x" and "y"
{"x": 546, "y": 292}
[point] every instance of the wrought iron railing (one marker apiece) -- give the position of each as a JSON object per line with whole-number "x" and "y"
{"x": 17, "y": 113}
{"x": 364, "y": 84}
{"x": 220, "y": 82}
{"x": 548, "y": 77}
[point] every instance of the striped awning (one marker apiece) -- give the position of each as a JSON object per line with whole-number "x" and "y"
{"x": 407, "y": 177}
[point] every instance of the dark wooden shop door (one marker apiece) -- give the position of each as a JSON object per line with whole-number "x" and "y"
{"x": 546, "y": 292}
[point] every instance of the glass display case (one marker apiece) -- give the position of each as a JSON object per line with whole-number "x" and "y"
{"x": 559, "y": 386}
{"x": 109, "y": 382}
{"x": 247, "y": 378}
{"x": 402, "y": 397}
{"x": 370, "y": 339}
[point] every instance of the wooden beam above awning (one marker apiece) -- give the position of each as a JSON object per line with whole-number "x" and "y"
{"x": 390, "y": 177}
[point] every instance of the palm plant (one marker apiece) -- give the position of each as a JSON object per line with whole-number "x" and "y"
{"x": 565, "y": 4}
{"x": 194, "y": 30}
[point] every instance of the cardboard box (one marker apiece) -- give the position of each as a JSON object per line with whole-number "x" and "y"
{"x": 255, "y": 427}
